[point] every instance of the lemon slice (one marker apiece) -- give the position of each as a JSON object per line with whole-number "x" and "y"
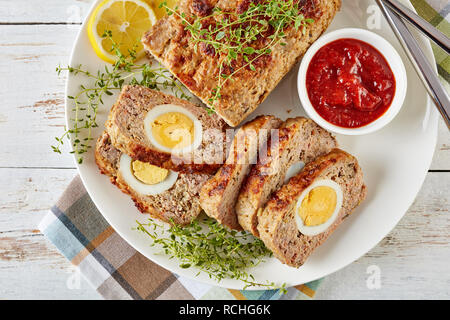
{"x": 128, "y": 20}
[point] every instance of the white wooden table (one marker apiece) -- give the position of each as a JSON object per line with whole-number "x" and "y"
{"x": 35, "y": 36}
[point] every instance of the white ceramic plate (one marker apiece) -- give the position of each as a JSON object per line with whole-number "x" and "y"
{"x": 394, "y": 160}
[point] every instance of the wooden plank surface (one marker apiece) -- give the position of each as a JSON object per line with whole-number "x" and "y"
{"x": 30, "y": 266}
{"x": 40, "y": 12}
{"x": 413, "y": 259}
{"x": 33, "y": 98}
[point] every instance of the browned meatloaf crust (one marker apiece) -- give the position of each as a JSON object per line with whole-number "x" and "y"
{"x": 125, "y": 127}
{"x": 299, "y": 139}
{"x": 277, "y": 225}
{"x": 198, "y": 70}
{"x": 218, "y": 196}
{"x": 179, "y": 204}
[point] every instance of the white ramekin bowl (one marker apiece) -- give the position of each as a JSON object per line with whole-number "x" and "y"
{"x": 393, "y": 59}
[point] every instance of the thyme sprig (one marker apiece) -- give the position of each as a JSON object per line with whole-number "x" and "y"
{"x": 105, "y": 82}
{"x": 234, "y": 36}
{"x": 211, "y": 248}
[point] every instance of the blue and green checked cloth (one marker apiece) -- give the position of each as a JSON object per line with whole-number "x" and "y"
{"x": 117, "y": 271}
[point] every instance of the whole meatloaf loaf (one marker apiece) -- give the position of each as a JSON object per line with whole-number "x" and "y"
{"x": 126, "y": 126}
{"x": 277, "y": 223}
{"x": 197, "y": 65}
{"x": 179, "y": 205}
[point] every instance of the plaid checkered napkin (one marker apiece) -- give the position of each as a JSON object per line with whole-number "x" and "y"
{"x": 117, "y": 271}
{"x": 437, "y": 12}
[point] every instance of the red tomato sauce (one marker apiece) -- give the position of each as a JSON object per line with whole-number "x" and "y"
{"x": 350, "y": 83}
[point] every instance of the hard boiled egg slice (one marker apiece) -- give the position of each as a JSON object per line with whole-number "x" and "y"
{"x": 152, "y": 180}
{"x": 318, "y": 207}
{"x": 173, "y": 129}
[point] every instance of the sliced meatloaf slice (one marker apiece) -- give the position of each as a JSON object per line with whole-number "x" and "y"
{"x": 179, "y": 204}
{"x": 197, "y": 65}
{"x": 126, "y": 128}
{"x": 218, "y": 196}
{"x": 277, "y": 226}
{"x": 299, "y": 140}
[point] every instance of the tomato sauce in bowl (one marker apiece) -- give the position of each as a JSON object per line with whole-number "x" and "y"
{"x": 349, "y": 83}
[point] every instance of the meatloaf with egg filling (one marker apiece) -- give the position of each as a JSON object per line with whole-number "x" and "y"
{"x": 127, "y": 130}
{"x": 277, "y": 222}
{"x": 299, "y": 141}
{"x": 218, "y": 195}
{"x": 180, "y": 204}
{"x": 197, "y": 65}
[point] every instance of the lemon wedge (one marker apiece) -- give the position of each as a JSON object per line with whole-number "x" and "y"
{"x": 128, "y": 20}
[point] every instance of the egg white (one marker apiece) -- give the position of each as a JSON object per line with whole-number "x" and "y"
{"x": 140, "y": 187}
{"x": 166, "y": 108}
{"x": 315, "y": 230}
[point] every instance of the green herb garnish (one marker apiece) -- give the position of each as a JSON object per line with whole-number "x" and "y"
{"x": 239, "y": 40}
{"x": 105, "y": 82}
{"x": 210, "y": 247}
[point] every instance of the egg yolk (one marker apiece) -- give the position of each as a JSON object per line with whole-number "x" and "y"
{"x": 147, "y": 173}
{"x": 318, "y": 206}
{"x": 173, "y": 130}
